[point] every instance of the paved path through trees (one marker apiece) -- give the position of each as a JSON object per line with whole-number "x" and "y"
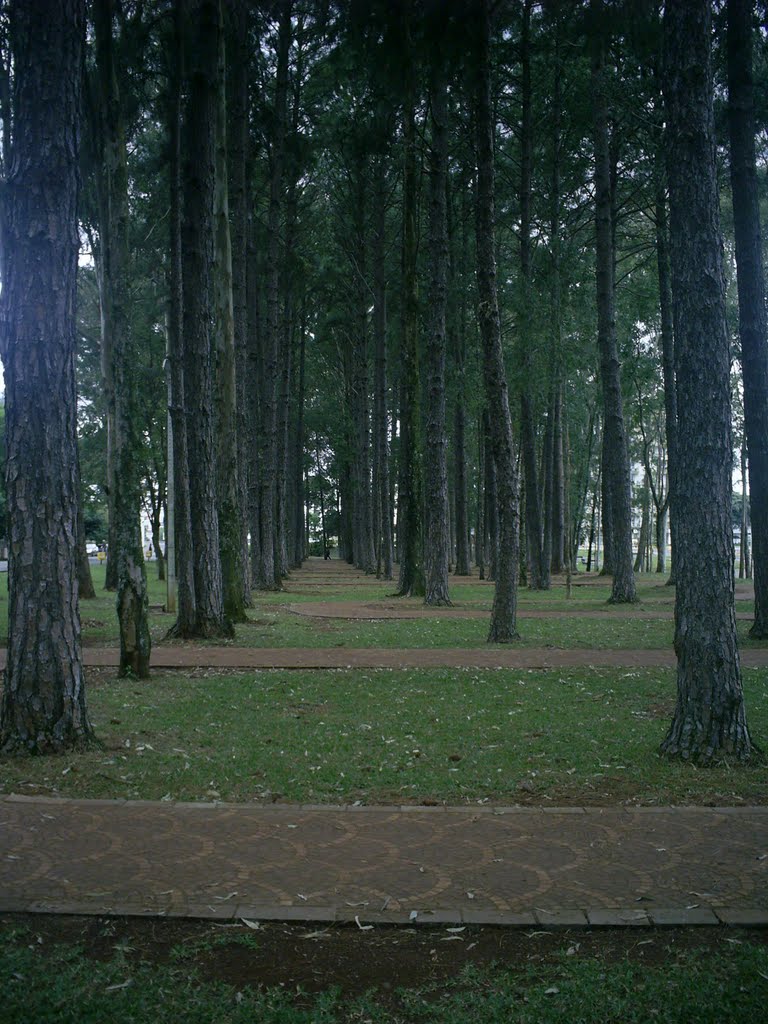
{"x": 436, "y": 865}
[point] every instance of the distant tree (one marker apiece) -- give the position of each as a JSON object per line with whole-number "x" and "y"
{"x": 43, "y": 707}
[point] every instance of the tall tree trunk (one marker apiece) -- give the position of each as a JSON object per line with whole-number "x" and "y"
{"x": 298, "y": 456}
{"x": 268, "y": 456}
{"x": 436, "y": 538}
{"x": 491, "y": 495}
{"x": 504, "y": 613}
{"x": 198, "y": 234}
{"x": 459, "y": 348}
{"x": 381, "y": 481}
{"x": 577, "y": 520}
{"x": 43, "y": 704}
{"x": 411, "y": 581}
{"x": 548, "y": 474}
{"x": 127, "y": 552}
{"x": 538, "y": 568}
{"x": 253, "y": 401}
{"x": 237, "y": 23}
{"x": 480, "y": 508}
{"x": 667, "y": 344}
{"x": 365, "y": 555}
{"x": 709, "y": 720}
{"x": 85, "y": 586}
{"x": 751, "y": 288}
{"x": 643, "y": 540}
{"x": 179, "y": 458}
{"x": 744, "y": 538}
{"x": 227, "y": 466}
{"x": 283, "y": 416}
{"x": 558, "y": 482}
{"x": 615, "y": 454}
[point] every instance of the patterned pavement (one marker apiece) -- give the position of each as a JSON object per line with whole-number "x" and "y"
{"x": 517, "y": 866}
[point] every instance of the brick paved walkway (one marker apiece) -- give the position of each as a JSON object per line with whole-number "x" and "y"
{"x": 517, "y": 866}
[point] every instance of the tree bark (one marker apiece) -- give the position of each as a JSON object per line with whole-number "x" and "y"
{"x": 381, "y": 480}
{"x": 709, "y": 720}
{"x": 116, "y": 319}
{"x": 298, "y": 553}
{"x": 667, "y": 348}
{"x": 230, "y": 514}
{"x": 198, "y": 233}
{"x": 86, "y": 590}
{"x": 436, "y": 536}
{"x": 43, "y": 705}
{"x": 365, "y": 555}
{"x": 267, "y": 574}
{"x": 237, "y": 146}
{"x": 182, "y": 522}
{"x": 751, "y": 289}
{"x": 538, "y": 568}
{"x": 615, "y": 455}
{"x": 411, "y": 581}
{"x": 504, "y": 613}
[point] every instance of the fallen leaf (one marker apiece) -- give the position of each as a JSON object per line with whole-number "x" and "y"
{"x": 250, "y": 924}
{"x": 363, "y": 927}
{"x": 114, "y": 988}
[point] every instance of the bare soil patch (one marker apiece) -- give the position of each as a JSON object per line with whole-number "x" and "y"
{"x": 315, "y": 958}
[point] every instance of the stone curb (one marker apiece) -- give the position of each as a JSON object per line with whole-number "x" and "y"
{"x": 473, "y": 809}
{"x": 549, "y": 920}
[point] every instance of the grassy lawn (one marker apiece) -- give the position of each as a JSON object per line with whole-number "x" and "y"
{"x": 273, "y": 625}
{"x": 44, "y": 982}
{"x": 584, "y": 736}
{"x": 573, "y": 736}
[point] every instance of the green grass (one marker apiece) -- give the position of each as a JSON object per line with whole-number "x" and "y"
{"x": 60, "y": 985}
{"x": 272, "y": 625}
{"x": 572, "y": 736}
